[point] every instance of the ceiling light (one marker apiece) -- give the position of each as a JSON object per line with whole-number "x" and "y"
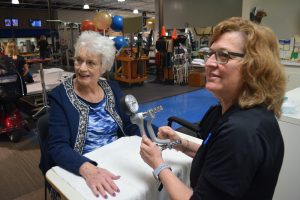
{"x": 121, "y": 0}
{"x": 135, "y": 11}
{"x": 86, "y": 6}
{"x": 15, "y": 2}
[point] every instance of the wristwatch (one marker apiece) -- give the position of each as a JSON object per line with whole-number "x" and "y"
{"x": 157, "y": 170}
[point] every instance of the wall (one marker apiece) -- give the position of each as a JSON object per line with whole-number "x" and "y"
{"x": 198, "y": 13}
{"x": 23, "y": 15}
{"x": 74, "y": 15}
{"x": 283, "y": 15}
{"x": 24, "y": 29}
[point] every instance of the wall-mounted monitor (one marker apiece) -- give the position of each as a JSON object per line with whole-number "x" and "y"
{"x": 14, "y": 22}
{"x": 7, "y": 22}
{"x": 11, "y": 22}
{"x": 35, "y": 23}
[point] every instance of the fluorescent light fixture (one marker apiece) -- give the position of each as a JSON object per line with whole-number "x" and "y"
{"x": 15, "y": 2}
{"x": 53, "y": 20}
{"x": 121, "y": 0}
{"x": 86, "y": 6}
{"x": 135, "y": 11}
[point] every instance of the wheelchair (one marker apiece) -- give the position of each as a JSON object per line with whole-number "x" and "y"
{"x": 12, "y": 87}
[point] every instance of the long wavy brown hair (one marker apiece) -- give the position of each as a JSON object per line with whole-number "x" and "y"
{"x": 11, "y": 48}
{"x": 264, "y": 77}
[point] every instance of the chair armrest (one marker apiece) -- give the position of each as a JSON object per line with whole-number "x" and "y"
{"x": 182, "y": 122}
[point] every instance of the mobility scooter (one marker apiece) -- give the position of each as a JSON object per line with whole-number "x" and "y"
{"x": 12, "y": 87}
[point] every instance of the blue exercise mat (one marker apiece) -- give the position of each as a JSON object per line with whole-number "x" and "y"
{"x": 190, "y": 106}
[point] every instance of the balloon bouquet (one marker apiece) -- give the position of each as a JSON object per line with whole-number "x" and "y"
{"x": 117, "y": 25}
{"x": 101, "y": 22}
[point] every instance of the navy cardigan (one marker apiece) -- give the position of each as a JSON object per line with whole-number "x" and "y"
{"x": 68, "y": 119}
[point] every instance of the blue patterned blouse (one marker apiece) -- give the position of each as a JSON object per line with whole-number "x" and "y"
{"x": 101, "y": 128}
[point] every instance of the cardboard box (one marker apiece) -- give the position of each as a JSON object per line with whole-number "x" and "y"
{"x": 197, "y": 79}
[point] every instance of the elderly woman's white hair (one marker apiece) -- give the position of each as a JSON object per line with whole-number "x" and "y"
{"x": 95, "y": 43}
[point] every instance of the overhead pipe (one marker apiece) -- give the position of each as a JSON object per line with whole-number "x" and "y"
{"x": 161, "y": 15}
{"x": 50, "y": 14}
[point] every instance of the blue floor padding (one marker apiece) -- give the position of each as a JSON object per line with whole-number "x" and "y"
{"x": 190, "y": 106}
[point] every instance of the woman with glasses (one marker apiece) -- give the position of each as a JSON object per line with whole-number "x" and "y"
{"x": 85, "y": 114}
{"x": 242, "y": 149}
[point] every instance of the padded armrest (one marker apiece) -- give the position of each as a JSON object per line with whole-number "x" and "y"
{"x": 182, "y": 122}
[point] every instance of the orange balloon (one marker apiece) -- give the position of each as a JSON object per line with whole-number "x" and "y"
{"x": 87, "y": 25}
{"x": 102, "y": 20}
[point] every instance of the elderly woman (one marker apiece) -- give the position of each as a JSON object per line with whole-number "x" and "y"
{"x": 242, "y": 151}
{"x": 85, "y": 114}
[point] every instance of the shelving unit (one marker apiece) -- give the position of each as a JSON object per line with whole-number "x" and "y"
{"x": 132, "y": 70}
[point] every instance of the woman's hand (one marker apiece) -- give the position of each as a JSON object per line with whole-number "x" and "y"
{"x": 150, "y": 153}
{"x": 166, "y": 132}
{"x": 99, "y": 180}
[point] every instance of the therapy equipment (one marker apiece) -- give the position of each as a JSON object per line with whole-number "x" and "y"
{"x": 130, "y": 106}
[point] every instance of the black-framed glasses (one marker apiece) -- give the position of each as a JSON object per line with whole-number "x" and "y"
{"x": 91, "y": 64}
{"x": 222, "y": 56}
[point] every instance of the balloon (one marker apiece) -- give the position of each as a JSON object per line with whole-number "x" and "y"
{"x": 102, "y": 20}
{"x": 87, "y": 25}
{"x": 117, "y": 23}
{"x": 120, "y": 42}
{"x": 101, "y": 31}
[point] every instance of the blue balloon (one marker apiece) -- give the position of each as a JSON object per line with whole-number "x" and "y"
{"x": 117, "y": 23}
{"x": 120, "y": 42}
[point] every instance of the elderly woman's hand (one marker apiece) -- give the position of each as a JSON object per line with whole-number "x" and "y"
{"x": 150, "y": 153}
{"x": 99, "y": 180}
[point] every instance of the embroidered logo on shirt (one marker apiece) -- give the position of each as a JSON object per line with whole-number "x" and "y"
{"x": 207, "y": 139}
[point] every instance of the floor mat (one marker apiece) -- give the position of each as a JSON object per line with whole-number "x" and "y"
{"x": 150, "y": 91}
{"x": 190, "y": 106}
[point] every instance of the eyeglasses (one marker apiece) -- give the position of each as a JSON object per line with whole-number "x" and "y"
{"x": 91, "y": 64}
{"x": 222, "y": 55}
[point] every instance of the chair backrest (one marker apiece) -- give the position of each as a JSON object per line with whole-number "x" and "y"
{"x": 42, "y": 126}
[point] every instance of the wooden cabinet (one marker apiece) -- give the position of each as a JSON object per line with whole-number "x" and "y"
{"x": 131, "y": 70}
